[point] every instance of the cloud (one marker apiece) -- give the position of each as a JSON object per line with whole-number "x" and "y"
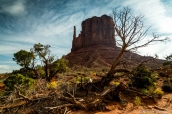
{"x": 13, "y": 8}
{"x": 161, "y": 49}
{"x": 4, "y": 67}
{"x": 8, "y": 68}
{"x": 12, "y": 44}
{"x": 154, "y": 12}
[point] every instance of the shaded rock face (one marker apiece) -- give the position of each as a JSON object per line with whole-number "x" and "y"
{"x": 95, "y": 31}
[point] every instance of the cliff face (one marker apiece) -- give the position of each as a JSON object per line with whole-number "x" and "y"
{"x": 95, "y": 31}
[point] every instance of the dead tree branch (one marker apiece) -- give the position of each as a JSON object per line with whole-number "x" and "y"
{"x": 130, "y": 34}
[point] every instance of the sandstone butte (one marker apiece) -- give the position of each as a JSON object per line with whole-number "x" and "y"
{"x": 95, "y": 46}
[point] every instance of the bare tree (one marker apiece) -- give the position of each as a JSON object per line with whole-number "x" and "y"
{"x": 130, "y": 32}
{"x": 130, "y": 35}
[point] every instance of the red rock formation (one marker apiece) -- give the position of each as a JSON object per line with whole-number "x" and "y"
{"x": 95, "y": 31}
{"x": 95, "y": 46}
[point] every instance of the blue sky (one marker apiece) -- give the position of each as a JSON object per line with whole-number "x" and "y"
{"x": 26, "y": 22}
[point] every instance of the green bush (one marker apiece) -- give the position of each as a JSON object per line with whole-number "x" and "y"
{"x": 150, "y": 90}
{"x": 60, "y": 65}
{"x": 145, "y": 91}
{"x": 18, "y": 79}
{"x": 52, "y": 85}
{"x": 158, "y": 92}
{"x": 137, "y": 101}
{"x": 40, "y": 71}
{"x": 167, "y": 86}
{"x": 84, "y": 79}
{"x": 142, "y": 78}
{"x": 166, "y": 63}
{"x": 24, "y": 72}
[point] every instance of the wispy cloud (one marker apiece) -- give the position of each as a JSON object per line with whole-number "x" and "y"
{"x": 8, "y": 68}
{"x": 4, "y": 67}
{"x": 16, "y": 7}
{"x": 154, "y": 12}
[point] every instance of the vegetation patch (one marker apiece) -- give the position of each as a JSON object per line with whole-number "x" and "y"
{"x": 52, "y": 85}
{"x": 143, "y": 79}
{"x": 137, "y": 101}
{"x": 167, "y": 86}
{"x": 18, "y": 79}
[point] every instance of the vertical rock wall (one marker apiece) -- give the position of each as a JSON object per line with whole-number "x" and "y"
{"x": 95, "y": 31}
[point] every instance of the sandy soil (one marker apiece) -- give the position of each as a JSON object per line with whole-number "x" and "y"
{"x": 163, "y": 106}
{"x": 1, "y": 86}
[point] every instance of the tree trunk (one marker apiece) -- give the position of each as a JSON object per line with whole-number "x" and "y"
{"x": 115, "y": 63}
{"x": 46, "y": 71}
{"x": 110, "y": 75}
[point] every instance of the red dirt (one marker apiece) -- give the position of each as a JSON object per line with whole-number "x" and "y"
{"x": 161, "y": 107}
{"x": 2, "y": 86}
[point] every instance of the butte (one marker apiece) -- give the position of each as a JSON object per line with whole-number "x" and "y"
{"x": 95, "y": 46}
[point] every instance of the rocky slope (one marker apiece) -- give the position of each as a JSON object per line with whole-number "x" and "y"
{"x": 99, "y": 56}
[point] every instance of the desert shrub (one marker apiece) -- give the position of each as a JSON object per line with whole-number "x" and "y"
{"x": 155, "y": 75}
{"x": 166, "y": 63}
{"x": 84, "y": 79}
{"x": 116, "y": 83}
{"x": 4, "y": 93}
{"x": 158, "y": 92}
{"x": 137, "y": 101}
{"x": 142, "y": 78}
{"x": 76, "y": 80}
{"x": 52, "y": 85}
{"x": 150, "y": 90}
{"x": 18, "y": 79}
{"x": 40, "y": 71}
{"x": 24, "y": 72}
{"x": 162, "y": 74}
{"x": 167, "y": 86}
{"x": 60, "y": 65}
{"x": 145, "y": 91}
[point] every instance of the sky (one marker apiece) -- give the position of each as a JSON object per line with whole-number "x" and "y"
{"x": 24, "y": 23}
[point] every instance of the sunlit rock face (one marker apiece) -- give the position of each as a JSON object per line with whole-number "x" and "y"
{"x": 95, "y": 31}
